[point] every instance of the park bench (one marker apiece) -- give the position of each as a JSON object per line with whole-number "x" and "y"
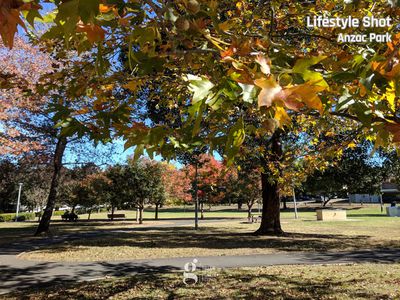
{"x": 116, "y": 216}
{"x": 69, "y": 217}
{"x": 255, "y": 219}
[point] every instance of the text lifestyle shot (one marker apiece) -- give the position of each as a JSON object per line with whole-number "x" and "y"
{"x": 199, "y": 149}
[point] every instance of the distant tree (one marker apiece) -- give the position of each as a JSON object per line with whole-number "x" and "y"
{"x": 244, "y": 185}
{"x": 356, "y": 172}
{"x": 98, "y": 186}
{"x": 8, "y": 185}
{"x": 176, "y": 184}
{"x": 118, "y": 189}
{"x": 146, "y": 184}
{"x": 210, "y": 180}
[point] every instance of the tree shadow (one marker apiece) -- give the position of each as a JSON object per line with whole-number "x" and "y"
{"x": 211, "y": 238}
{"x": 50, "y": 274}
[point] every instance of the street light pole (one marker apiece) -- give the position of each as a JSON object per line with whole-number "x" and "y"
{"x": 196, "y": 203}
{"x": 18, "y": 202}
{"x": 295, "y": 204}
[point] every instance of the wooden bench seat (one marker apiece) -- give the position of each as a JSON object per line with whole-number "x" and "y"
{"x": 116, "y": 216}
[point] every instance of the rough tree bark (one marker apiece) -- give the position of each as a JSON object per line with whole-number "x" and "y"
{"x": 51, "y": 199}
{"x": 270, "y": 219}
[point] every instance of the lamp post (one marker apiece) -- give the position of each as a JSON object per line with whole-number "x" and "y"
{"x": 196, "y": 199}
{"x": 18, "y": 202}
{"x": 295, "y": 204}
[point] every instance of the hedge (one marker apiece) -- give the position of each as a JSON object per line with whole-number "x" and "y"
{"x": 58, "y": 212}
{"x": 21, "y": 217}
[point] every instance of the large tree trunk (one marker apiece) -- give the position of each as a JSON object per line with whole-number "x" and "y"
{"x": 270, "y": 219}
{"x": 51, "y": 199}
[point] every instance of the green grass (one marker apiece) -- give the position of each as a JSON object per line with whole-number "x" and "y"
{"x": 341, "y": 282}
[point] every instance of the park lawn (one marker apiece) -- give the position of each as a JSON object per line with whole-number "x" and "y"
{"x": 365, "y": 229}
{"x": 344, "y": 282}
{"x": 173, "y": 213}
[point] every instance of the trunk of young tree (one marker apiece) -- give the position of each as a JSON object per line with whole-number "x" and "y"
{"x": 112, "y": 212}
{"x": 156, "y": 214}
{"x": 284, "y": 203}
{"x": 249, "y": 208}
{"x": 90, "y": 212}
{"x": 141, "y": 215}
{"x": 51, "y": 199}
{"x": 270, "y": 219}
{"x": 240, "y": 205}
{"x": 202, "y": 210}
{"x": 73, "y": 209}
{"x": 325, "y": 201}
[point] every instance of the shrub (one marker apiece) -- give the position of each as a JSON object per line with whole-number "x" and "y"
{"x": 6, "y": 217}
{"x": 21, "y": 217}
{"x": 58, "y": 212}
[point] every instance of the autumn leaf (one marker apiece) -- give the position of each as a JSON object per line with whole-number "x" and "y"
{"x": 94, "y": 32}
{"x": 9, "y": 20}
{"x": 105, "y": 8}
{"x": 306, "y": 93}
{"x": 390, "y": 95}
{"x": 302, "y": 67}
{"x": 270, "y": 90}
{"x": 281, "y": 116}
{"x": 265, "y": 64}
{"x": 132, "y": 85}
{"x": 394, "y": 129}
{"x": 387, "y": 69}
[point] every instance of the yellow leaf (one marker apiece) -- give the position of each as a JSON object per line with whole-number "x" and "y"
{"x": 352, "y": 145}
{"x": 270, "y": 90}
{"x": 225, "y": 26}
{"x": 132, "y": 85}
{"x": 390, "y": 95}
{"x": 281, "y": 116}
{"x": 307, "y": 94}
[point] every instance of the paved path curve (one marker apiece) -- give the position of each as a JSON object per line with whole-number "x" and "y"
{"x": 17, "y": 274}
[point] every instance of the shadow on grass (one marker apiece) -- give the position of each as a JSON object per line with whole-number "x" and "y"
{"x": 58, "y": 276}
{"x": 213, "y": 238}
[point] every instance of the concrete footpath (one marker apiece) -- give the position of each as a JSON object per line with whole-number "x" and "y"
{"x": 18, "y": 274}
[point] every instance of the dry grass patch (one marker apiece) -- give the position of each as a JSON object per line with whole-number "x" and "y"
{"x": 344, "y": 282}
{"x": 232, "y": 238}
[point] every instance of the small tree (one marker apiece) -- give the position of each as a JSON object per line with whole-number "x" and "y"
{"x": 210, "y": 180}
{"x": 244, "y": 186}
{"x": 118, "y": 188}
{"x": 145, "y": 181}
